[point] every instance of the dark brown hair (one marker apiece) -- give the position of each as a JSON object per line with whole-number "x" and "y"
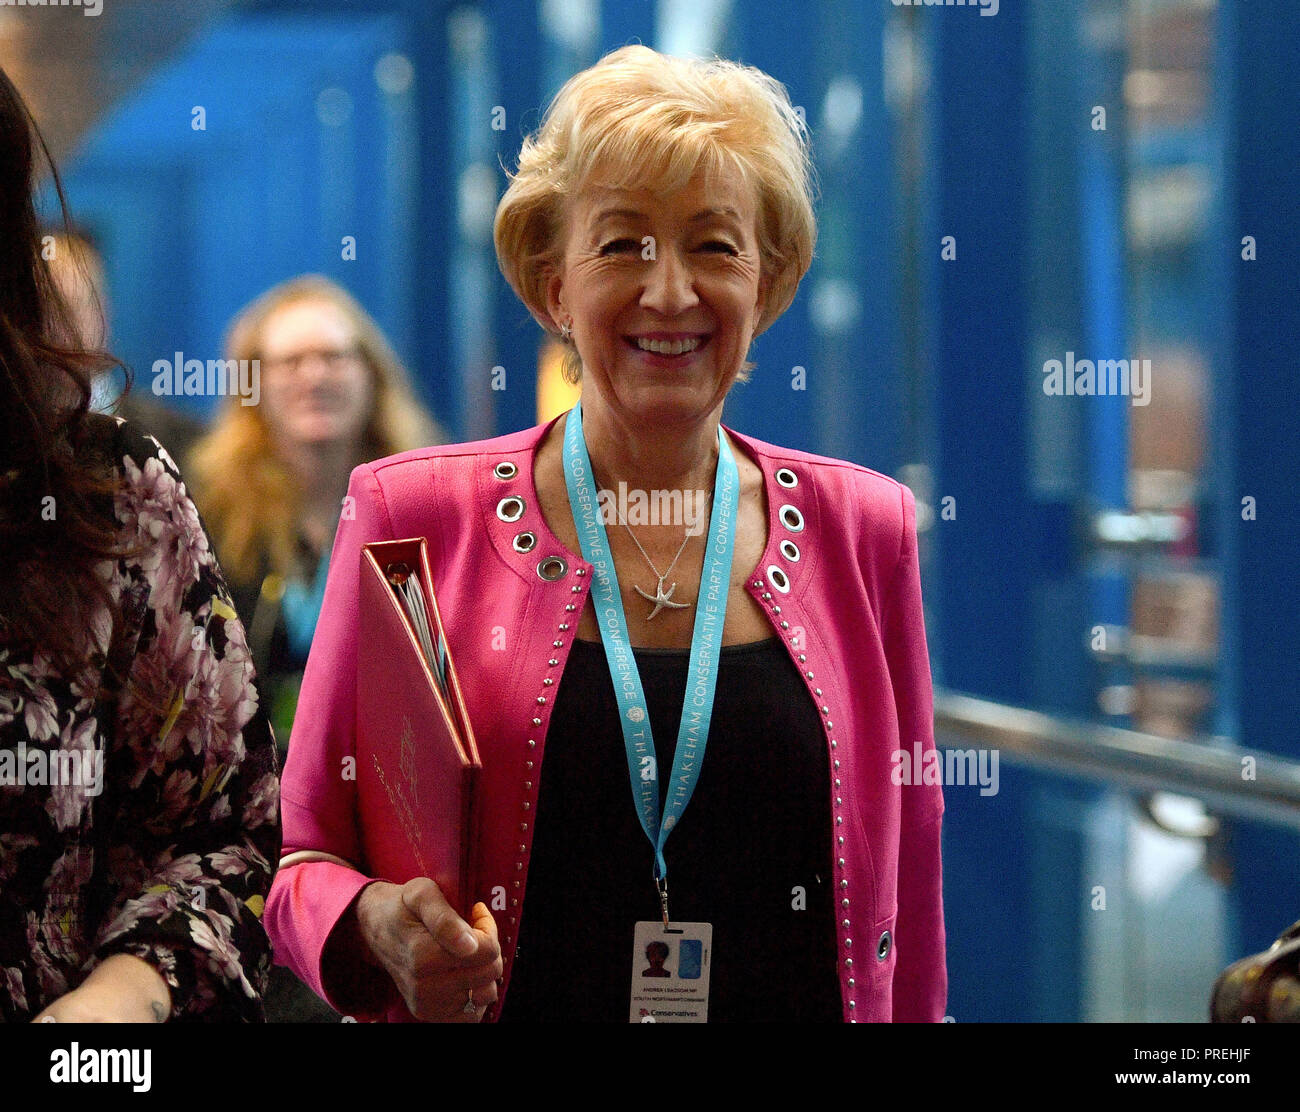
{"x": 56, "y": 483}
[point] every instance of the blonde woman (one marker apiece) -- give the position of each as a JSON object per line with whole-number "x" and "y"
{"x": 270, "y": 478}
{"x": 788, "y": 634}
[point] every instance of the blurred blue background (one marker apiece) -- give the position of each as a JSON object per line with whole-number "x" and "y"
{"x": 1098, "y": 167}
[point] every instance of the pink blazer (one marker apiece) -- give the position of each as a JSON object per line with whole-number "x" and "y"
{"x": 840, "y": 584}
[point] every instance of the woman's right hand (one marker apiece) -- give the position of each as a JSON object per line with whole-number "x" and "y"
{"x": 437, "y": 961}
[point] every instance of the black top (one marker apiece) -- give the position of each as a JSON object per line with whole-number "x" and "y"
{"x": 751, "y": 854}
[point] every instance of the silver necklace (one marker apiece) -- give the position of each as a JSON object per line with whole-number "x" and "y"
{"x": 660, "y": 598}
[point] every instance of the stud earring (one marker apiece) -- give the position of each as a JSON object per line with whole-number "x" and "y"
{"x": 566, "y": 331}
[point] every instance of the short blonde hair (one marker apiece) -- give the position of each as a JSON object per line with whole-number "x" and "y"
{"x": 249, "y": 499}
{"x": 639, "y": 119}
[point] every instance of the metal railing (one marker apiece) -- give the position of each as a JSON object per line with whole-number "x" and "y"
{"x": 1243, "y": 782}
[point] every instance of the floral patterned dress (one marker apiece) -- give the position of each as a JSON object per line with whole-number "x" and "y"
{"x": 169, "y": 852}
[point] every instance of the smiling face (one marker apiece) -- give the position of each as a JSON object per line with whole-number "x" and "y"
{"x": 663, "y": 293}
{"x": 316, "y": 388}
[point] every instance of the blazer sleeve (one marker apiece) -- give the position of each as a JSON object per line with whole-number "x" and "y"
{"x": 920, "y": 989}
{"x": 318, "y": 802}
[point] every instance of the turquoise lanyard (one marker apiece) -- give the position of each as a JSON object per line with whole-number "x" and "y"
{"x": 301, "y": 606}
{"x": 706, "y": 641}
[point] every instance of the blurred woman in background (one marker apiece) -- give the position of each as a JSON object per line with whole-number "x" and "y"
{"x": 139, "y": 797}
{"x": 270, "y": 478}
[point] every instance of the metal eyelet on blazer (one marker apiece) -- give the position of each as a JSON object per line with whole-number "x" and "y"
{"x": 510, "y": 509}
{"x": 505, "y": 470}
{"x": 552, "y": 568}
{"x": 883, "y": 947}
{"x": 525, "y": 542}
{"x": 791, "y": 518}
{"x": 790, "y": 551}
{"x": 778, "y": 579}
{"x": 786, "y": 477}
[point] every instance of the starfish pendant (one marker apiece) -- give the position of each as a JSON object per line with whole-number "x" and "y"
{"x": 661, "y": 598}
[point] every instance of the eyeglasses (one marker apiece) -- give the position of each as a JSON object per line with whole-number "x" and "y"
{"x": 334, "y": 358}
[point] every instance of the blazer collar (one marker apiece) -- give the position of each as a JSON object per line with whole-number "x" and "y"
{"x": 514, "y": 521}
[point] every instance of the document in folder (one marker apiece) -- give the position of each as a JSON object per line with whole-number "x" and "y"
{"x": 417, "y": 763}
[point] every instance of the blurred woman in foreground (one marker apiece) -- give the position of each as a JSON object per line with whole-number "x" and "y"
{"x": 139, "y": 796}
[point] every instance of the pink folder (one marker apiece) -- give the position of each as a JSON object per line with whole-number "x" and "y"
{"x": 417, "y": 764}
